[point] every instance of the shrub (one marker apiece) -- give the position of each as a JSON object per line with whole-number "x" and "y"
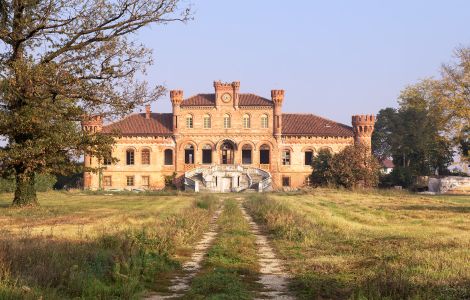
{"x": 352, "y": 167}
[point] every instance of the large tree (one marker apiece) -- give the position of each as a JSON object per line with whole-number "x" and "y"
{"x": 61, "y": 60}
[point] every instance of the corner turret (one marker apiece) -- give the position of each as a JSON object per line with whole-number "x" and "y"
{"x": 363, "y": 127}
{"x": 277, "y": 96}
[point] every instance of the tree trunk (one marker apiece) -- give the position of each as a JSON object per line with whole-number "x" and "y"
{"x": 25, "y": 193}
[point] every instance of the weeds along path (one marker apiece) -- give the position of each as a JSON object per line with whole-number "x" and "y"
{"x": 230, "y": 269}
{"x": 180, "y": 284}
{"x": 272, "y": 276}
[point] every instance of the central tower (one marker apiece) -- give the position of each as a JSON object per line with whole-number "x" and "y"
{"x": 227, "y": 94}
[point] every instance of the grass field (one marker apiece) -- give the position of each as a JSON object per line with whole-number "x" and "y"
{"x": 96, "y": 246}
{"x": 370, "y": 245}
{"x": 336, "y": 245}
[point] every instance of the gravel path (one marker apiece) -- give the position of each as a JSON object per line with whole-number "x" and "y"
{"x": 180, "y": 284}
{"x": 272, "y": 277}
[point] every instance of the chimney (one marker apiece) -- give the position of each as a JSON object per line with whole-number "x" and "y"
{"x": 147, "y": 111}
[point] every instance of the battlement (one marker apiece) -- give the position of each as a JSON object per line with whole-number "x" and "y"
{"x": 176, "y": 96}
{"x": 92, "y": 123}
{"x": 277, "y": 96}
{"x": 226, "y": 85}
{"x": 363, "y": 120}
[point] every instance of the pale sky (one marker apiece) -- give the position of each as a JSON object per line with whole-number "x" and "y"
{"x": 333, "y": 58}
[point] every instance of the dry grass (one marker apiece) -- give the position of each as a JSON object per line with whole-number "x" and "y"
{"x": 96, "y": 246}
{"x": 374, "y": 245}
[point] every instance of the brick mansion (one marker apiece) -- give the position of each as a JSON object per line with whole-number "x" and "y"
{"x": 222, "y": 141}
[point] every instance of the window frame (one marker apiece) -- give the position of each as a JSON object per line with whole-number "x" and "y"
{"x": 227, "y": 121}
{"x": 105, "y": 181}
{"x": 130, "y": 157}
{"x": 132, "y": 179}
{"x": 207, "y": 121}
{"x": 189, "y": 121}
{"x": 146, "y": 151}
{"x": 286, "y": 157}
{"x": 148, "y": 181}
{"x": 246, "y": 120}
{"x": 264, "y": 121}
{"x": 286, "y": 179}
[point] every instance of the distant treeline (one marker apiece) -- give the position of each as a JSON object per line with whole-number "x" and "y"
{"x": 44, "y": 182}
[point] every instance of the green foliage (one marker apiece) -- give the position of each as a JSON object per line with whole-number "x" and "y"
{"x": 60, "y": 68}
{"x": 170, "y": 181}
{"x": 322, "y": 174}
{"x": 352, "y": 167}
{"x": 43, "y": 183}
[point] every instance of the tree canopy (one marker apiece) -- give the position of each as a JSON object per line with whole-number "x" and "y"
{"x": 62, "y": 60}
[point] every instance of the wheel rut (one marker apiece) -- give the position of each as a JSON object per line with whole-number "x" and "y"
{"x": 272, "y": 276}
{"x": 181, "y": 283}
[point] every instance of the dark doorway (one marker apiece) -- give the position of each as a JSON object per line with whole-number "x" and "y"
{"x": 189, "y": 154}
{"x": 207, "y": 154}
{"x": 264, "y": 155}
{"x": 227, "y": 153}
{"x": 246, "y": 155}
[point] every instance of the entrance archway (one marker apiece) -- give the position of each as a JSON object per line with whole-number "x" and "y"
{"x": 227, "y": 153}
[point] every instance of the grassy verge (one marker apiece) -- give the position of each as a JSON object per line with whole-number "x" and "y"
{"x": 370, "y": 245}
{"x": 230, "y": 268}
{"x": 138, "y": 240}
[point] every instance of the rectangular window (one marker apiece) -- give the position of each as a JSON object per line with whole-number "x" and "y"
{"x": 130, "y": 157}
{"x": 246, "y": 122}
{"x": 168, "y": 157}
{"x": 285, "y": 181}
{"x": 189, "y": 122}
{"x": 286, "y": 157}
{"x": 107, "y": 160}
{"x": 107, "y": 181}
{"x": 207, "y": 122}
{"x": 308, "y": 181}
{"x": 145, "y": 157}
{"x": 145, "y": 181}
{"x": 130, "y": 180}
{"x": 226, "y": 122}
{"x": 264, "y": 122}
{"x": 308, "y": 158}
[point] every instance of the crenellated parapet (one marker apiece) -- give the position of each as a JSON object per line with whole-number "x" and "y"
{"x": 363, "y": 127}
{"x": 176, "y": 97}
{"x": 92, "y": 124}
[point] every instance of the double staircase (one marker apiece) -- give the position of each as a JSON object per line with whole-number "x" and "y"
{"x": 227, "y": 178}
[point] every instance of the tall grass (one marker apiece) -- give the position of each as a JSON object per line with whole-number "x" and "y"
{"x": 110, "y": 264}
{"x": 368, "y": 245}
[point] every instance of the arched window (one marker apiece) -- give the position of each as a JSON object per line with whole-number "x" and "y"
{"x": 189, "y": 121}
{"x": 264, "y": 154}
{"x": 130, "y": 157}
{"x": 227, "y": 123}
{"x": 264, "y": 121}
{"x": 168, "y": 157}
{"x": 246, "y": 121}
{"x": 145, "y": 157}
{"x": 247, "y": 155}
{"x": 189, "y": 154}
{"x": 207, "y": 121}
{"x": 207, "y": 154}
{"x": 286, "y": 158}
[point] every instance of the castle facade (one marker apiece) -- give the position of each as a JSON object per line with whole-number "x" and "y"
{"x": 226, "y": 132}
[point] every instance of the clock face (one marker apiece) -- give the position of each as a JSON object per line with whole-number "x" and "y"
{"x": 226, "y": 97}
